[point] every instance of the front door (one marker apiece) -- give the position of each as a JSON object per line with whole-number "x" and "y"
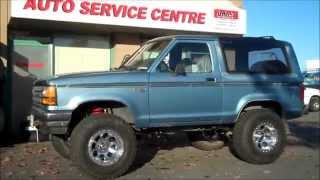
{"x": 191, "y": 95}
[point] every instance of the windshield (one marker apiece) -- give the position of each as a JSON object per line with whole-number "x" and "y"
{"x": 145, "y": 56}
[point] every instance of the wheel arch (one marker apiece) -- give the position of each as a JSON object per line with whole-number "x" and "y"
{"x": 262, "y": 104}
{"x": 315, "y": 96}
{"x": 119, "y": 108}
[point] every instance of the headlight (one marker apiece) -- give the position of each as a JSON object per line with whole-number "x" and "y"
{"x": 49, "y": 96}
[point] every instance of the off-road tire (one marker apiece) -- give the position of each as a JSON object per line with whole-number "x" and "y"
{"x": 314, "y": 104}
{"x": 79, "y": 145}
{"x": 242, "y": 144}
{"x": 61, "y": 145}
{"x": 199, "y": 142}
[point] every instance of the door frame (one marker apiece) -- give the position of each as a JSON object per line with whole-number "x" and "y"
{"x": 214, "y": 57}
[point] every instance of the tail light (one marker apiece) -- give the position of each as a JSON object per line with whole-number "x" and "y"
{"x": 97, "y": 110}
{"x": 302, "y": 88}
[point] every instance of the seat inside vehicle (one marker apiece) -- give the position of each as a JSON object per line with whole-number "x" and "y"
{"x": 269, "y": 67}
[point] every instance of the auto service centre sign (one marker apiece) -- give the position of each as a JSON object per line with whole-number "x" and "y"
{"x": 201, "y": 16}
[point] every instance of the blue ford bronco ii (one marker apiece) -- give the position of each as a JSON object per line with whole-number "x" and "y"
{"x": 235, "y": 91}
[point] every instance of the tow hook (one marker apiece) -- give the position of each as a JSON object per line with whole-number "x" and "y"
{"x": 32, "y": 126}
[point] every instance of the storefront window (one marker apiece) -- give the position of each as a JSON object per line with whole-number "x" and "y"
{"x": 75, "y": 54}
{"x": 33, "y": 55}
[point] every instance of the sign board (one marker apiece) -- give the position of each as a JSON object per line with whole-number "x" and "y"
{"x": 199, "y": 16}
{"x": 312, "y": 64}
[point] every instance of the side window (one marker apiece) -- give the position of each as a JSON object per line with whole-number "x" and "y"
{"x": 192, "y": 57}
{"x": 265, "y": 57}
{"x": 267, "y": 61}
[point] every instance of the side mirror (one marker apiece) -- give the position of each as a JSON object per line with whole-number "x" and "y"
{"x": 125, "y": 59}
{"x": 180, "y": 69}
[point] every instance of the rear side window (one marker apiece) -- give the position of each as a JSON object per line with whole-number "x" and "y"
{"x": 249, "y": 55}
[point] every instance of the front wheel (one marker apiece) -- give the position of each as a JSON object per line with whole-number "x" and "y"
{"x": 61, "y": 145}
{"x": 104, "y": 146}
{"x": 259, "y": 136}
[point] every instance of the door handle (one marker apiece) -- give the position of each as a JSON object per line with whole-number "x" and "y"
{"x": 211, "y": 79}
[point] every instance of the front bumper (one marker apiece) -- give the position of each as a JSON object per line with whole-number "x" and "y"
{"x": 52, "y": 122}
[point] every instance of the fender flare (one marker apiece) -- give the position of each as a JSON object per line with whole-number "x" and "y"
{"x": 252, "y": 101}
{"x": 129, "y": 106}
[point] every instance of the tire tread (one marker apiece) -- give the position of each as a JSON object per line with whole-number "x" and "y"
{"x": 241, "y": 131}
{"x": 101, "y": 120}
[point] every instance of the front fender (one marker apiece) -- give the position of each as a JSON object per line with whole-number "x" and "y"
{"x": 78, "y": 100}
{"x": 136, "y": 101}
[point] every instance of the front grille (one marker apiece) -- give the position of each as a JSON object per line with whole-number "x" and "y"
{"x": 36, "y": 94}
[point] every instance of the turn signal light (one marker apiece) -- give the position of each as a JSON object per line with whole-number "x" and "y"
{"x": 49, "y": 96}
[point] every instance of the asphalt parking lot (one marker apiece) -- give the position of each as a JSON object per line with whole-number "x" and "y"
{"x": 176, "y": 159}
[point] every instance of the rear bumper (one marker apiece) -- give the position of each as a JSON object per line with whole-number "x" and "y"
{"x": 52, "y": 122}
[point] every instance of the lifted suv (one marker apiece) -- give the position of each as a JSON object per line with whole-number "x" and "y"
{"x": 217, "y": 90}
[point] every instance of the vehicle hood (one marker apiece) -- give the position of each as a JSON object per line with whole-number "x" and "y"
{"x": 95, "y": 78}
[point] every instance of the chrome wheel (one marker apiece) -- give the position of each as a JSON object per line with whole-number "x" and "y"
{"x": 265, "y": 137}
{"x": 105, "y": 147}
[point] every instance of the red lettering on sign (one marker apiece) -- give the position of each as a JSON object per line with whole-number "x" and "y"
{"x": 183, "y": 16}
{"x": 178, "y": 16}
{"x": 105, "y": 10}
{"x": 202, "y": 18}
{"x": 174, "y": 17}
{"x": 30, "y": 4}
{"x": 155, "y": 15}
{"x": 56, "y": 5}
{"x": 43, "y": 7}
{"x": 95, "y": 8}
{"x": 132, "y": 12}
{"x": 142, "y": 12}
{"x": 165, "y": 15}
{"x": 123, "y": 9}
{"x": 68, "y": 6}
{"x": 117, "y": 11}
{"x": 193, "y": 17}
{"x": 85, "y": 7}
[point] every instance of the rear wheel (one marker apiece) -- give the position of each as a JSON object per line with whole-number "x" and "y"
{"x": 104, "y": 146}
{"x": 314, "y": 104}
{"x": 259, "y": 136}
{"x": 206, "y": 140}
